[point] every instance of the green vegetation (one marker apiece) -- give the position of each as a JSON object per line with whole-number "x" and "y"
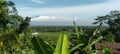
{"x": 113, "y": 21}
{"x": 16, "y": 36}
{"x": 15, "y": 33}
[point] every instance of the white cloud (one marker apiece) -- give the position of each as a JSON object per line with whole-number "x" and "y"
{"x": 53, "y": 20}
{"x": 60, "y": 19}
{"x": 38, "y": 1}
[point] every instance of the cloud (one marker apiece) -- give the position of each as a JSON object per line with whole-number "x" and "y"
{"x": 38, "y": 1}
{"x": 59, "y": 19}
{"x": 54, "y": 20}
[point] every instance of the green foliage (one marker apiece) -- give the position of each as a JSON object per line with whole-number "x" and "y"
{"x": 81, "y": 36}
{"x": 96, "y": 32}
{"x": 53, "y": 28}
{"x": 84, "y": 43}
{"x": 113, "y": 21}
{"x": 65, "y": 45}
{"x": 16, "y": 36}
{"x": 76, "y": 30}
{"x": 107, "y": 50}
{"x": 62, "y": 46}
{"x": 87, "y": 41}
{"x": 76, "y": 47}
{"x": 93, "y": 42}
{"x": 94, "y": 52}
{"x": 41, "y": 46}
{"x": 58, "y": 49}
{"x": 109, "y": 37}
{"x": 13, "y": 41}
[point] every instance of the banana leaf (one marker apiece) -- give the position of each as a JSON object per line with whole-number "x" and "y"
{"x": 62, "y": 46}
{"x": 40, "y": 46}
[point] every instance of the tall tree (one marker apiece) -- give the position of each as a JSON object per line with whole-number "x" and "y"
{"x": 113, "y": 21}
{"x": 14, "y": 29}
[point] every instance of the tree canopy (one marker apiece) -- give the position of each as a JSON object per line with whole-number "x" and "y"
{"x": 14, "y": 29}
{"x": 113, "y": 21}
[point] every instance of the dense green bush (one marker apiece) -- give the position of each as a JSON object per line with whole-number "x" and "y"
{"x": 15, "y": 33}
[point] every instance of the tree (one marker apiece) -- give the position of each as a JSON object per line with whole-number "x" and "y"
{"x": 113, "y": 21}
{"x": 15, "y": 33}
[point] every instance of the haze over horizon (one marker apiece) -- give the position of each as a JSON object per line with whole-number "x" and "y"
{"x": 63, "y": 12}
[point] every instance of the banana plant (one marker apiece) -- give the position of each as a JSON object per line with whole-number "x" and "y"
{"x": 43, "y": 47}
{"x": 40, "y": 46}
{"x": 84, "y": 42}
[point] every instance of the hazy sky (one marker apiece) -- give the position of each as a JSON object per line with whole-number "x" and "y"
{"x": 63, "y": 12}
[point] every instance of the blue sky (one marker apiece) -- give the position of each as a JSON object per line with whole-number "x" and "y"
{"x": 63, "y": 12}
{"x": 54, "y": 3}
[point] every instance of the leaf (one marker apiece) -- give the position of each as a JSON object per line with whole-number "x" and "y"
{"x": 94, "y": 42}
{"x": 94, "y": 52}
{"x": 77, "y": 32}
{"x": 62, "y": 45}
{"x": 95, "y": 32}
{"x": 50, "y": 45}
{"x": 76, "y": 47}
{"x": 65, "y": 45}
{"x": 107, "y": 50}
{"x": 35, "y": 46}
{"x": 59, "y": 45}
{"x": 40, "y": 46}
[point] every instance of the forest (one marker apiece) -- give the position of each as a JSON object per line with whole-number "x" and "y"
{"x": 17, "y": 36}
